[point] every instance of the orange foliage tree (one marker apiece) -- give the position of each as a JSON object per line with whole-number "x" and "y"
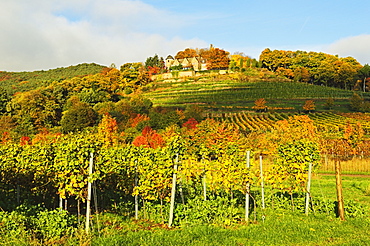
{"x": 260, "y": 105}
{"x": 187, "y": 53}
{"x": 216, "y": 58}
{"x": 309, "y": 106}
{"x": 297, "y": 127}
{"x": 149, "y": 138}
{"x": 107, "y": 130}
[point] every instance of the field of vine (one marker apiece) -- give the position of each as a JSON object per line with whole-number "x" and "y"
{"x": 196, "y": 176}
{"x": 228, "y": 95}
{"x": 325, "y": 121}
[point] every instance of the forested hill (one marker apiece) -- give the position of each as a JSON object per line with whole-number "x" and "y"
{"x": 14, "y": 82}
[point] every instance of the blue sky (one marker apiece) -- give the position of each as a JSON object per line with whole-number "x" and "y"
{"x": 41, "y": 34}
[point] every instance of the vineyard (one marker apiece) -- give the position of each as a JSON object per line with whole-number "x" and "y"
{"x": 200, "y": 174}
{"x": 325, "y": 122}
{"x": 192, "y": 161}
{"x": 228, "y": 95}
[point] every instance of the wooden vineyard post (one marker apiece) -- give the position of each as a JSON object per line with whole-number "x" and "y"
{"x": 136, "y": 196}
{"x": 338, "y": 179}
{"x": 308, "y": 188}
{"x": 262, "y": 188}
{"x": 247, "y": 190}
{"x": 173, "y": 191}
{"x": 88, "y": 200}
{"x": 204, "y": 183}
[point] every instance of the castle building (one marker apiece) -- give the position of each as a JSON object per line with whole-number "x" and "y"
{"x": 193, "y": 63}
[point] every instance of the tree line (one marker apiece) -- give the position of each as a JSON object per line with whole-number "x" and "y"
{"x": 317, "y": 68}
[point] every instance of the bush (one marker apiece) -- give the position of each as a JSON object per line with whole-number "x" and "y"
{"x": 54, "y": 224}
{"x": 27, "y": 221}
{"x": 218, "y": 211}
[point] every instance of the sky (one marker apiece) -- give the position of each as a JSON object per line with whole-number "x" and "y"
{"x": 46, "y": 34}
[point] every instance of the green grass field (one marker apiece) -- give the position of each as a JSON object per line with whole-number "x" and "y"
{"x": 280, "y": 227}
{"x": 285, "y": 229}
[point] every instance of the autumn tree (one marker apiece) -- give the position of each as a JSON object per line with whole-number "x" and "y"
{"x": 240, "y": 62}
{"x": 345, "y": 76}
{"x": 298, "y": 127}
{"x": 107, "y": 130}
{"x": 320, "y": 68}
{"x": 149, "y": 138}
{"x": 134, "y": 75}
{"x": 286, "y": 72}
{"x": 35, "y": 109}
{"x": 191, "y": 123}
{"x": 187, "y": 53}
{"x": 272, "y": 60}
{"x": 309, "y": 106}
{"x": 301, "y": 74}
{"x": 260, "y": 105}
{"x": 216, "y": 58}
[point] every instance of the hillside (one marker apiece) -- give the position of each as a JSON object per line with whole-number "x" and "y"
{"x": 14, "y": 82}
{"x": 225, "y": 93}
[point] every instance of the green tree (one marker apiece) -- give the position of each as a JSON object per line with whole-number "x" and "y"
{"x": 4, "y": 99}
{"x": 356, "y": 102}
{"x": 329, "y": 103}
{"x": 364, "y": 74}
{"x": 154, "y": 61}
{"x": 194, "y": 111}
{"x": 78, "y": 117}
{"x": 161, "y": 120}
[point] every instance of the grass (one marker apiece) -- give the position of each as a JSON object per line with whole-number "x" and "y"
{"x": 280, "y": 227}
{"x": 354, "y": 188}
{"x": 277, "y": 229}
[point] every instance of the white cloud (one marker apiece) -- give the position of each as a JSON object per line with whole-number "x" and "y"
{"x": 356, "y": 47}
{"x": 46, "y": 34}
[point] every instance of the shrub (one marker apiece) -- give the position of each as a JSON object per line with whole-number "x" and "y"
{"x": 218, "y": 211}
{"x": 54, "y": 224}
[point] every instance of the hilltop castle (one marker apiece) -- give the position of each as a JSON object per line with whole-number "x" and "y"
{"x": 194, "y": 63}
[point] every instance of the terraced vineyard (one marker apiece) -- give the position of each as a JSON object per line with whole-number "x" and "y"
{"x": 326, "y": 121}
{"x": 227, "y": 95}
